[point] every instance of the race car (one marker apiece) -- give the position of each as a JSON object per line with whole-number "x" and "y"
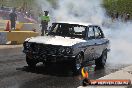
{"x": 72, "y": 42}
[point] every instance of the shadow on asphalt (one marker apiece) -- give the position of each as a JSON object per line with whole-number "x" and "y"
{"x": 55, "y": 76}
{"x": 61, "y": 70}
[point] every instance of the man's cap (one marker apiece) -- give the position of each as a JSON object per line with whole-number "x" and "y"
{"x": 46, "y": 11}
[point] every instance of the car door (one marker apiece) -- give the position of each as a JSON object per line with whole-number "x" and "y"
{"x": 100, "y": 42}
{"x": 90, "y": 38}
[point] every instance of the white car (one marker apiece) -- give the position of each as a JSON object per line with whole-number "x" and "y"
{"x": 75, "y": 43}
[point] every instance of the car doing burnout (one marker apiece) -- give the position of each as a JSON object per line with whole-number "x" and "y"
{"x": 76, "y": 43}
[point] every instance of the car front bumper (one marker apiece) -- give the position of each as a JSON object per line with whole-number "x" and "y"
{"x": 48, "y": 57}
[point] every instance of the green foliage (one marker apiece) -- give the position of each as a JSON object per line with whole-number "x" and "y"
{"x": 17, "y": 3}
{"x": 112, "y": 6}
{"x": 53, "y": 3}
{"x": 120, "y": 6}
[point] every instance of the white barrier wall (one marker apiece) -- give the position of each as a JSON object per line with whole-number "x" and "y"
{"x": 3, "y": 24}
{"x": 21, "y": 26}
{"x": 3, "y": 38}
{"x": 16, "y": 36}
{"x": 30, "y": 27}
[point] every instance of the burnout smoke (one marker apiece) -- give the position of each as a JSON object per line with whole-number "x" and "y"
{"x": 75, "y": 10}
{"x": 121, "y": 43}
{"x": 91, "y": 11}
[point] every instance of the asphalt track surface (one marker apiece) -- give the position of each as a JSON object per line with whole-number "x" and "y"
{"x": 14, "y": 72}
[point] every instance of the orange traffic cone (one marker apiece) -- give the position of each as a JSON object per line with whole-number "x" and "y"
{"x": 8, "y": 26}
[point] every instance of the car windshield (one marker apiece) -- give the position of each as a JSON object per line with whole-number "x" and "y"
{"x": 68, "y": 30}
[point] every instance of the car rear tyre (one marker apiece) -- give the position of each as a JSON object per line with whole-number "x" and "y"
{"x": 100, "y": 62}
{"x": 77, "y": 64}
{"x": 31, "y": 63}
{"x": 46, "y": 64}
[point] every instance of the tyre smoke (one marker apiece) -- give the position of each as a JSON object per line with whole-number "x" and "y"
{"x": 91, "y": 11}
{"x": 121, "y": 43}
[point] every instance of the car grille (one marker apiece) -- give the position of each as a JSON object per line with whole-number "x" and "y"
{"x": 44, "y": 49}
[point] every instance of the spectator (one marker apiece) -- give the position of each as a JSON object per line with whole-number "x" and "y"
{"x": 117, "y": 15}
{"x": 13, "y": 18}
{"x": 127, "y": 17}
{"x": 2, "y": 7}
{"x": 113, "y": 17}
{"x": 44, "y": 22}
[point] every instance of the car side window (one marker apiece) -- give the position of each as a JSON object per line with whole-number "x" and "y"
{"x": 91, "y": 33}
{"x": 98, "y": 33}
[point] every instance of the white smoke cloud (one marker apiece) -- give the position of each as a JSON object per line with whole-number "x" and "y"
{"x": 43, "y": 4}
{"x": 75, "y": 10}
{"x": 91, "y": 11}
{"x": 81, "y": 11}
{"x": 121, "y": 43}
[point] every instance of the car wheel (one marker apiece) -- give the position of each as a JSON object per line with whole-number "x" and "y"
{"x": 77, "y": 64}
{"x": 47, "y": 64}
{"x": 101, "y": 60}
{"x": 31, "y": 63}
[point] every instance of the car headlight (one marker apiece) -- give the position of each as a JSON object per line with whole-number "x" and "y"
{"x": 61, "y": 50}
{"x": 65, "y": 50}
{"x": 68, "y": 50}
{"x": 27, "y": 44}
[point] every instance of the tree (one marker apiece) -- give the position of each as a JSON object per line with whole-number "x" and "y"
{"x": 121, "y": 6}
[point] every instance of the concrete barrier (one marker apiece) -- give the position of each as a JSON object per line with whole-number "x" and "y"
{"x": 3, "y": 37}
{"x": 3, "y": 24}
{"x": 17, "y": 37}
{"x": 20, "y": 26}
{"x": 30, "y": 27}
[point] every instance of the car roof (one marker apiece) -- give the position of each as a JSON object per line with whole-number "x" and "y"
{"x": 74, "y": 23}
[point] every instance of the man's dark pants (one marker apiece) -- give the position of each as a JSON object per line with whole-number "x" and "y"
{"x": 44, "y": 27}
{"x": 13, "y": 24}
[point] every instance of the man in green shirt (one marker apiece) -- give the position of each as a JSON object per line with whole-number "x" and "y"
{"x": 44, "y": 22}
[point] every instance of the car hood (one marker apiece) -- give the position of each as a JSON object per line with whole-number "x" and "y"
{"x": 55, "y": 40}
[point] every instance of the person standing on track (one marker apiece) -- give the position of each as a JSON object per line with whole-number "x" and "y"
{"x": 44, "y": 22}
{"x": 13, "y": 18}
